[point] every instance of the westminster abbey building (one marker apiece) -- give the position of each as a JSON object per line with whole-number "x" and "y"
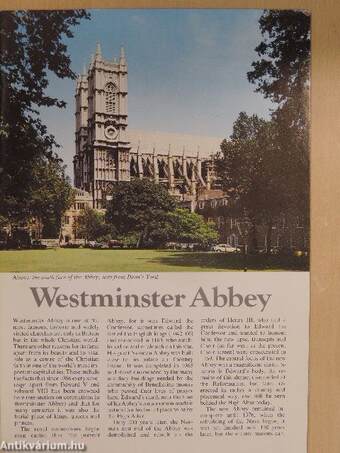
{"x": 104, "y": 155}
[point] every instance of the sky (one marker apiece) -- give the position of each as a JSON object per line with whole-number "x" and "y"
{"x": 186, "y": 70}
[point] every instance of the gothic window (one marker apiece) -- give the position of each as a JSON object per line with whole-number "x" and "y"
{"x": 110, "y": 98}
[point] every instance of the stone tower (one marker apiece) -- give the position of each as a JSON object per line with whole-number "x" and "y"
{"x": 102, "y": 148}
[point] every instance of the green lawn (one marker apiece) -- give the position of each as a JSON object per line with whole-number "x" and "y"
{"x": 86, "y": 260}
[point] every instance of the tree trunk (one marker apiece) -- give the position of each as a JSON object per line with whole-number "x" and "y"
{"x": 140, "y": 241}
{"x": 306, "y": 234}
{"x": 144, "y": 236}
{"x": 60, "y": 235}
{"x": 269, "y": 236}
{"x": 253, "y": 237}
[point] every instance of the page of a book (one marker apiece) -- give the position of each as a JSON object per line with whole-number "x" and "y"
{"x": 148, "y": 361}
{"x": 155, "y": 229}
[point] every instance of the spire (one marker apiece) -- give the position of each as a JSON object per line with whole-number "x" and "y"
{"x": 84, "y": 69}
{"x": 98, "y": 51}
{"x": 122, "y": 56}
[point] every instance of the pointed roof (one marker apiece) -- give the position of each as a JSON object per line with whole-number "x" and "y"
{"x": 98, "y": 50}
{"x": 122, "y": 56}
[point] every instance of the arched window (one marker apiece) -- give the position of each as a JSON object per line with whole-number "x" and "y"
{"x": 110, "y": 98}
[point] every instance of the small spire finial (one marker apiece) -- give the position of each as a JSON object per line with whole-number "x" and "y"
{"x": 98, "y": 50}
{"x": 122, "y": 56}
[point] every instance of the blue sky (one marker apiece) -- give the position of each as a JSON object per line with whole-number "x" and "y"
{"x": 187, "y": 70}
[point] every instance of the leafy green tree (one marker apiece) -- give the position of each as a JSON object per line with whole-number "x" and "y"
{"x": 139, "y": 206}
{"x": 185, "y": 226}
{"x": 51, "y": 194}
{"x": 48, "y": 195}
{"x": 91, "y": 226}
{"x": 3, "y": 230}
{"x": 282, "y": 74}
{"x": 32, "y": 48}
{"x": 129, "y": 240}
{"x": 251, "y": 168}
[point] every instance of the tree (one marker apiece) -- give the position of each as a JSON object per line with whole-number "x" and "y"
{"x": 251, "y": 168}
{"x": 47, "y": 196}
{"x": 139, "y": 206}
{"x": 31, "y": 47}
{"x": 51, "y": 194}
{"x": 282, "y": 74}
{"x": 91, "y": 225}
{"x": 185, "y": 226}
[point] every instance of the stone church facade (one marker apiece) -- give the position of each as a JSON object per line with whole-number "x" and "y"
{"x": 104, "y": 156}
{"x": 103, "y": 152}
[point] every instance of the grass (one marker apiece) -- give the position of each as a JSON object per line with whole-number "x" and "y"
{"x": 87, "y": 260}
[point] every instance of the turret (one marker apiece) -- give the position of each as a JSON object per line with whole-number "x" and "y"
{"x": 122, "y": 56}
{"x": 98, "y": 55}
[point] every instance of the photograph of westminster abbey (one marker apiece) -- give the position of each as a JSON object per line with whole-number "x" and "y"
{"x": 104, "y": 154}
{"x": 195, "y": 139}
